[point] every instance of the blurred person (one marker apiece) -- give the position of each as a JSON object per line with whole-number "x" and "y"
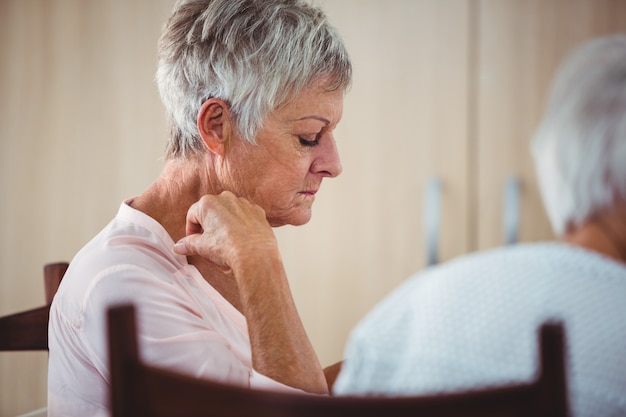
{"x": 253, "y": 92}
{"x": 472, "y": 322}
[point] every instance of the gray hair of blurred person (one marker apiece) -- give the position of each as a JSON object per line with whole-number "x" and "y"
{"x": 580, "y": 146}
{"x": 252, "y": 54}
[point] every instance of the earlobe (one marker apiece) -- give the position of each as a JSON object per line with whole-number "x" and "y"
{"x": 213, "y": 125}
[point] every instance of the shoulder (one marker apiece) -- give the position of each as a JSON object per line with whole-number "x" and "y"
{"x": 131, "y": 258}
{"x": 476, "y": 270}
{"x": 480, "y": 290}
{"x": 495, "y": 291}
{"x": 132, "y": 242}
{"x": 453, "y": 323}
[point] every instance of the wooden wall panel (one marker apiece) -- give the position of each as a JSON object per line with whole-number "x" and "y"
{"x": 405, "y": 120}
{"x": 81, "y": 128}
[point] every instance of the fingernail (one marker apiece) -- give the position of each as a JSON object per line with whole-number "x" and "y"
{"x": 180, "y": 248}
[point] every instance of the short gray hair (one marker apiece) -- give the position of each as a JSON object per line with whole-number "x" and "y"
{"x": 253, "y": 54}
{"x": 580, "y": 146}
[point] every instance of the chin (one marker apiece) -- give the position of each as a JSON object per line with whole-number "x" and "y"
{"x": 296, "y": 220}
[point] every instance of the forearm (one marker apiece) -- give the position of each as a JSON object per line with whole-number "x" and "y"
{"x": 281, "y": 349}
{"x": 331, "y": 373}
{"x": 233, "y": 233}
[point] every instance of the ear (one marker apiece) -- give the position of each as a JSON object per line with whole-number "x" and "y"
{"x": 214, "y": 125}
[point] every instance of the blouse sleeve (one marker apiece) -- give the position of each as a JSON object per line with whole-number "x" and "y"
{"x": 175, "y": 330}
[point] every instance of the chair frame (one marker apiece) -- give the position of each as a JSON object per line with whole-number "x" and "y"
{"x": 28, "y": 330}
{"x": 142, "y": 390}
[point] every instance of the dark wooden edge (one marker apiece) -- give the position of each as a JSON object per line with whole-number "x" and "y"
{"x": 132, "y": 378}
{"x": 52, "y": 275}
{"x": 123, "y": 357}
{"x": 553, "y": 368}
{"x": 27, "y": 330}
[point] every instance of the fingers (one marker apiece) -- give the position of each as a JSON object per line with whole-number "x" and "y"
{"x": 203, "y": 212}
{"x": 207, "y": 214}
{"x": 220, "y": 226}
{"x": 193, "y": 222}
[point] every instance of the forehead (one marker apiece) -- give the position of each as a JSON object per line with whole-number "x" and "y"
{"x": 313, "y": 101}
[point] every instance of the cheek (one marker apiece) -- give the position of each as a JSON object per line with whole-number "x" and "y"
{"x": 291, "y": 172}
{"x": 296, "y": 176}
{"x": 275, "y": 175}
{"x": 284, "y": 184}
{"x": 280, "y": 187}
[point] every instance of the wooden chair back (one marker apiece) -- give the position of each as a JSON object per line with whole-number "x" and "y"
{"x": 28, "y": 330}
{"x": 52, "y": 276}
{"x": 142, "y": 390}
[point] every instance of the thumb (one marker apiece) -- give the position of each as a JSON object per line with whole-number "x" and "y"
{"x": 189, "y": 245}
{"x": 181, "y": 247}
{"x": 185, "y": 247}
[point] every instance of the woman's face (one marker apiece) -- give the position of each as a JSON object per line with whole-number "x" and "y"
{"x": 295, "y": 150}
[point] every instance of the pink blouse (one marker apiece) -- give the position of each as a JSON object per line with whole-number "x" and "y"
{"x": 183, "y": 322}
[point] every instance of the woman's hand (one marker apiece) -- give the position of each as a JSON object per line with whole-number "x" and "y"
{"x": 234, "y": 234}
{"x": 225, "y": 229}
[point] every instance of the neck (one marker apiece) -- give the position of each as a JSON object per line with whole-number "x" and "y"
{"x": 168, "y": 199}
{"x": 604, "y": 233}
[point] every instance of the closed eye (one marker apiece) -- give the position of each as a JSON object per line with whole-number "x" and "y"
{"x": 309, "y": 142}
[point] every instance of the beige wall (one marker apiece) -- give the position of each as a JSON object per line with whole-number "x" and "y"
{"x": 445, "y": 88}
{"x": 81, "y": 128}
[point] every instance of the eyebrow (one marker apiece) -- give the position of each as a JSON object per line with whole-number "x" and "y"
{"x": 321, "y": 119}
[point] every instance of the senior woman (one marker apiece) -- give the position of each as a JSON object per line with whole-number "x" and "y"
{"x": 253, "y": 91}
{"x": 473, "y": 321}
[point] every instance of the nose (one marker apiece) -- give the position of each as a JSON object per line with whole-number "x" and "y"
{"x": 327, "y": 163}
